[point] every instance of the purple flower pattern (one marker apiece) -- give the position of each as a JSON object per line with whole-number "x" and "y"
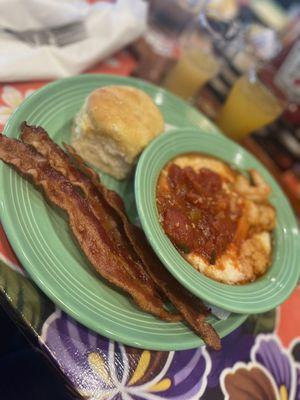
{"x": 103, "y": 369}
{"x": 271, "y": 373}
{"x": 258, "y": 369}
{"x": 235, "y": 347}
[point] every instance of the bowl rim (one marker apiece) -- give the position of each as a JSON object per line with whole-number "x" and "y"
{"x": 172, "y": 144}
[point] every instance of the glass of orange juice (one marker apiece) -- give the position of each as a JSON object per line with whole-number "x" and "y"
{"x": 194, "y": 68}
{"x": 196, "y": 65}
{"x": 249, "y": 106}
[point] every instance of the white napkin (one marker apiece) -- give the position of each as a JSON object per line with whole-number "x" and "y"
{"x": 48, "y": 39}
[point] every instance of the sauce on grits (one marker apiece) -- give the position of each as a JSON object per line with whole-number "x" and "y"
{"x": 219, "y": 220}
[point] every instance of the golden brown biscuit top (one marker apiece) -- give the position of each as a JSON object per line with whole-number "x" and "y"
{"x": 125, "y": 114}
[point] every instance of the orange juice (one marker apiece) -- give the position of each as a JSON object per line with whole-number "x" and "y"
{"x": 249, "y": 106}
{"x": 192, "y": 71}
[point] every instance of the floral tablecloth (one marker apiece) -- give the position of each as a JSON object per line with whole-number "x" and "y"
{"x": 260, "y": 360}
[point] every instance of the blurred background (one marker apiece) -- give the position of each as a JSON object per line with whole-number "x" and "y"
{"x": 238, "y": 62}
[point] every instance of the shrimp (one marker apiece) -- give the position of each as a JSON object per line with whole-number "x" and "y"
{"x": 258, "y": 192}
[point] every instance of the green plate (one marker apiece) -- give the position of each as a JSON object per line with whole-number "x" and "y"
{"x": 42, "y": 240}
{"x": 265, "y": 293}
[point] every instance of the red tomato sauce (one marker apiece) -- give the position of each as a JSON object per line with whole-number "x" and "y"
{"x": 196, "y": 212}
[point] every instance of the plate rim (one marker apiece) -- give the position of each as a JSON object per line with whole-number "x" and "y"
{"x": 20, "y": 250}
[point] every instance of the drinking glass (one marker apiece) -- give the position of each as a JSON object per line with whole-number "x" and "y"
{"x": 249, "y": 106}
{"x": 197, "y": 63}
{"x": 167, "y": 19}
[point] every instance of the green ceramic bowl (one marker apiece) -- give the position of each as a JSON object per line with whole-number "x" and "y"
{"x": 263, "y": 294}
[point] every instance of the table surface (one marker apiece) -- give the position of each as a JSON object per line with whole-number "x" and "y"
{"x": 260, "y": 360}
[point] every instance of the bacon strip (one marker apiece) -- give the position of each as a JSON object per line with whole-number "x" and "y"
{"x": 191, "y": 307}
{"x": 58, "y": 159}
{"x": 90, "y": 234}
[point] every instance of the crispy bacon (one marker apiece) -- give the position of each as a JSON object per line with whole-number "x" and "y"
{"x": 88, "y": 231}
{"x": 58, "y": 159}
{"x": 191, "y": 308}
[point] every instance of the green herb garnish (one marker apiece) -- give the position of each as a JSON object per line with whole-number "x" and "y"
{"x": 213, "y": 257}
{"x": 184, "y": 248}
